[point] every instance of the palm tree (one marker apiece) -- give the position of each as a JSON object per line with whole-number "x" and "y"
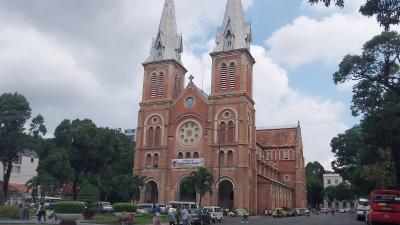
{"x": 201, "y": 180}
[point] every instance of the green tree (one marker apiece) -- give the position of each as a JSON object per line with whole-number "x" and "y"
{"x": 387, "y": 12}
{"x": 14, "y": 112}
{"x": 200, "y": 181}
{"x": 314, "y": 172}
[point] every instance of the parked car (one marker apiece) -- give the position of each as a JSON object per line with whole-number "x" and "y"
{"x": 105, "y": 207}
{"x": 144, "y": 208}
{"x": 362, "y": 208}
{"x": 384, "y": 207}
{"x": 215, "y": 213}
{"x": 200, "y": 216}
{"x": 164, "y": 208}
{"x": 341, "y": 211}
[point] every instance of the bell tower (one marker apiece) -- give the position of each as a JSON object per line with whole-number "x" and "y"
{"x": 163, "y": 69}
{"x": 232, "y": 104}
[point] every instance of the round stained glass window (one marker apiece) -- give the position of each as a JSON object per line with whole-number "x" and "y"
{"x": 188, "y": 133}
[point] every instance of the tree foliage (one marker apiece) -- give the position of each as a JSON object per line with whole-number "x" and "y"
{"x": 314, "y": 180}
{"x": 387, "y": 12}
{"x": 14, "y": 112}
{"x": 200, "y": 181}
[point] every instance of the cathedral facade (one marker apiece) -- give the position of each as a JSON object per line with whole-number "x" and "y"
{"x": 181, "y": 128}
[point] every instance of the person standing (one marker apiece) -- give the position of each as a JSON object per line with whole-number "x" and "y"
{"x": 42, "y": 212}
{"x": 171, "y": 216}
{"x": 156, "y": 215}
{"x": 25, "y": 211}
{"x": 185, "y": 216}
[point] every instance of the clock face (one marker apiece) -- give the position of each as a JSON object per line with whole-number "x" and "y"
{"x": 189, "y": 102}
{"x": 189, "y": 133}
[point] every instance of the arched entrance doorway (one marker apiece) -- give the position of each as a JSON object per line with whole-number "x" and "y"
{"x": 226, "y": 196}
{"x": 151, "y": 192}
{"x": 186, "y": 192}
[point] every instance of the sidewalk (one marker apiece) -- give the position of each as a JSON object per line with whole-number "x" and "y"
{"x": 35, "y": 221}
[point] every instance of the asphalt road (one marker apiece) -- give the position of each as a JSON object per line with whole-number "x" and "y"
{"x": 338, "y": 219}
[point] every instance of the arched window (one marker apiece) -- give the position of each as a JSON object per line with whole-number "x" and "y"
{"x": 155, "y": 160}
{"x": 232, "y": 75}
{"x": 222, "y": 132}
{"x": 195, "y": 155}
{"x": 286, "y": 155}
{"x": 187, "y": 155}
{"x": 148, "y": 160}
{"x": 221, "y": 157}
{"x": 161, "y": 84}
{"x": 180, "y": 155}
{"x": 223, "y": 76}
{"x": 153, "y": 85}
{"x": 230, "y": 158}
{"x": 231, "y": 131}
{"x": 291, "y": 154}
{"x": 157, "y": 136}
{"x": 273, "y": 155}
{"x": 151, "y": 136}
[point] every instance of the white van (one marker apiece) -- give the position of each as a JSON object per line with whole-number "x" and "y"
{"x": 144, "y": 208}
{"x": 362, "y": 208}
{"x": 181, "y": 205}
{"x": 215, "y": 213}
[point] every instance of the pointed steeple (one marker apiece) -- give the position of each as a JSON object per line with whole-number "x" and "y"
{"x": 235, "y": 33}
{"x": 168, "y": 43}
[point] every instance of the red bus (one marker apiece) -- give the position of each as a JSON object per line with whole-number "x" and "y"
{"x": 384, "y": 207}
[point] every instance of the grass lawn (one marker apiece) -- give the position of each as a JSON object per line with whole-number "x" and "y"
{"x": 139, "y": 219}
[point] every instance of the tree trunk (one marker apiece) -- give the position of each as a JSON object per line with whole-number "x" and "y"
{"x": 75, "y": 189}
{"x": 200, "y": 200}
{"x": 6, "y": 178}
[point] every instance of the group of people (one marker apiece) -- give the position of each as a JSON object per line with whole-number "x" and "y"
{"x": 174, "y": 216}
{"x": 26, "y": 206}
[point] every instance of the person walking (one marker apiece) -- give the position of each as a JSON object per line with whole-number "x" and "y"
{"x": 245, "y": 216}
{"x": 42, "y": 212}
{"x": 156, "y": 215}
{"x": 171, "y": 216}
{"x": 185, "y": 216}
{"x": 25, "y": 211}
{"x": 333, "y": 212}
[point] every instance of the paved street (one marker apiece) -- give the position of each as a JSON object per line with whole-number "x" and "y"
{"x": 339, "y": 219}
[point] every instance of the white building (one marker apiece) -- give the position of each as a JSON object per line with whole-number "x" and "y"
{"x": 23, "y": 169}
{"x": 335, "y": 179}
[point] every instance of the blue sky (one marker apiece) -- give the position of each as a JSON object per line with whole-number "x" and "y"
{"x": 82, "y": 59}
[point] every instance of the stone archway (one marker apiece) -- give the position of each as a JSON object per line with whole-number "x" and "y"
{"x": 186, "y": 193}
{"x": 151, "y": 192}
{"x": 226, "y": 195}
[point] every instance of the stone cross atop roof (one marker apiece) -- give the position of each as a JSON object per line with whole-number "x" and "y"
{"x": 168, "y": 43}
{"x": 235, "y": 33}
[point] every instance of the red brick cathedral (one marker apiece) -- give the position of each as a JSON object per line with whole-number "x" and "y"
{"x": 182, "y": 128}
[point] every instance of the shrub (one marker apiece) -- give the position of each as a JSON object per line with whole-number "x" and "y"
{"x": 124, "y": 207}
{"x": 89, "y": 193}
{"x": 8, "y": 211}
{"x": 69, "y": 207}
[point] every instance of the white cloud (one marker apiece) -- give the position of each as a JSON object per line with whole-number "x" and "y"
{"x": 307, "y": 39}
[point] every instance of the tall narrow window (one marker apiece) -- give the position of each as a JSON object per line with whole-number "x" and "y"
{"x": 176, "y": 87}
{"x": 223, "y": 76}
{"x": 187, "y": 155}
{"x": 228, "y": 41}
{"x": 232, "y": 75}
{"x": 157, "y": 136}
{"x": 148, "y": 160}
{"x": 195, "y": 155}
{"x": 155, "y": 160}
{"x": 153, "y": 85}
{"x": 221, "y": 157}
{"x": 222, "y": 132}
{"x": 230, "y": 158}
{"x": 161, "y": 84}
{"x": 285, "y": 155}
{"x": 151, "y": 136}
{"x": 291, "y": 154}
{"x": 231, "y": 131}
{"x": 180, "y": 155}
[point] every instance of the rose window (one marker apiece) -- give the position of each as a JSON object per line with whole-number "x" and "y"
{"x": 189, "y": 133}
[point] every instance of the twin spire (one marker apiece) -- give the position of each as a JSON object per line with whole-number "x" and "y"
{"x": 234, "y": 33}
